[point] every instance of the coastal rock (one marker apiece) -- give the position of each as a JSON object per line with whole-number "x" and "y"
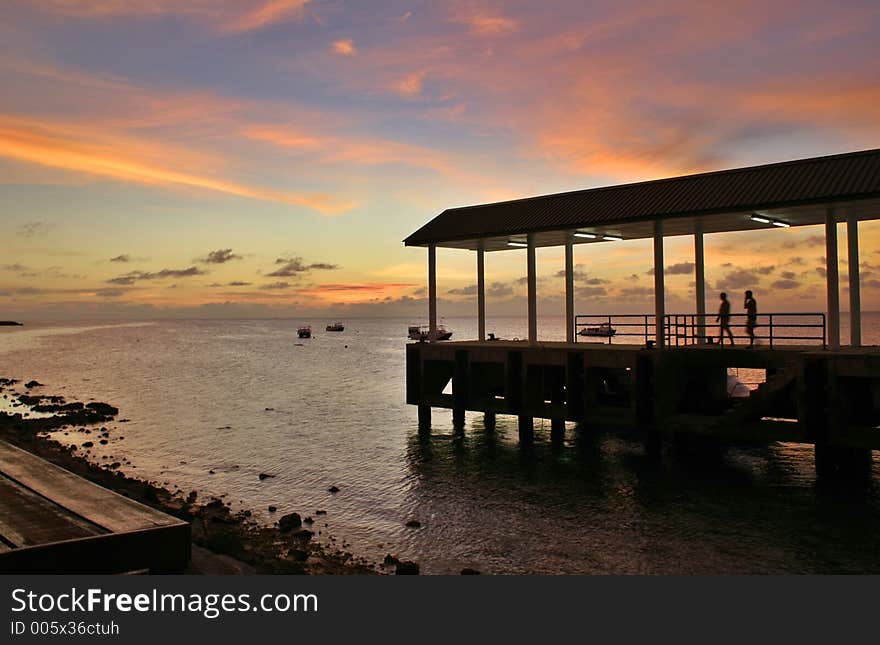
{"x": 298, "y": 554}
{"x": 103, "y": 442}
{"x": 31, "y": 384}
{"x": 104, "y": 409}
{"x": 413, "y": 524}
{"x": 308, "y": 520}
{"x": 272, "y": 509}
{"x": 407, "y": 568}
{"x": 390, "y": 560}
{"x": 333, "y": 489}
{"x": 320, "y": 512}
{"x": 469, "y": 572}
{"x": 303, "y": 534}
{"x": 87, "y": 444}
{"x": 263, "y": 476}
{"x": 289, "y": 522}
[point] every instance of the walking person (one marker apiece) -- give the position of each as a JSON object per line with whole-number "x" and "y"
{"x": 751, "y": 307}
{"x": 723, "y": 320}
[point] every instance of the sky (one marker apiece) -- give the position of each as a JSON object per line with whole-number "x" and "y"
{"x": 235, "y": 158}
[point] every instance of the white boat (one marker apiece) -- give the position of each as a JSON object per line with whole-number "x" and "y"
{"x": 422, "y": 332}
{"x": 605, "y": 329}
{"x": 337, "y": 326}
{"x": 305, "y": 331}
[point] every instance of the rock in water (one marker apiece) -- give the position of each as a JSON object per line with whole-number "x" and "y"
{"x": 31, "y": 384}
{"x": 289, "y": 522}
{"x": 272, "y": 509}
{"x": 263, "y": 476}
{"x": 407, "y": 568}
{"x": 413, "y": 524}
{"x": 469, "y": 572}
{"x": 333, "y": 489}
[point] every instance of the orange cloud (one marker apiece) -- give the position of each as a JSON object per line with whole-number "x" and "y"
{"x": 484, "y": 23}
{"x": 355, "y": 291}
{"x": 270, "y": 12}
{"x": 232, "y": 17}
{"x": 344, "y": 47}
{"x": 55, "y": 146}
{"x": 411, "y": 84}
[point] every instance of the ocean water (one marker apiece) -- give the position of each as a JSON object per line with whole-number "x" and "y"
{"x": 243, "y": 397}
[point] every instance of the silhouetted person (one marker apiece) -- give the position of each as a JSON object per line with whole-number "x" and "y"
{"x": 751, "y": 307}
{"x": 723, "y": 320}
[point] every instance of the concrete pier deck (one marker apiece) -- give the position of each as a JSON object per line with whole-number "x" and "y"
{"x": 52, "y": 521}
{"x": 829, "y": 398}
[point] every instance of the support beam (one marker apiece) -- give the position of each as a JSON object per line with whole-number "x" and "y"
{"x": 569, "y": 288}
{"x": 533, "y": 290}
{"x": 481, "y": 293}
{"x": 432, "y": 293}
{"x": 700, "y": 287}
{"x": 831, "y": 279}
{"x": 855, "y": 296}
{"x": 659, "y": 287}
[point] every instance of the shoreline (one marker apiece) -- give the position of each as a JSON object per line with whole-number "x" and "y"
{"x": 223, "y": 541}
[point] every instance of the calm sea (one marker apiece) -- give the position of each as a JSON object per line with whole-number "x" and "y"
{"x": 242, "y": 397}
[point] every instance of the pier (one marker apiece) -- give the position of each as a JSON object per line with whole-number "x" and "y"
{"x": 53, "y": 522}
{"x": 668, "y": 378}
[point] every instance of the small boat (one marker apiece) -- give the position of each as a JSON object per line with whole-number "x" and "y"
{"x": 422, "y": 332}
{"x": 304, "y": 332}
{"x": 337, "y": 326}
{"x": 605, "y": 329}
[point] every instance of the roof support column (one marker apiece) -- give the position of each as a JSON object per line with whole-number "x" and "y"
{"x": 481, "y": 292}
{"x": 855, "y": 296}
{"x": 831, "y": 279}
{"x": 700, "y": 286}
{"x": 432, "y": 293}
{"x": 569, "y": 288}
{"x": 659, "y": 287}
{"x": 533, "y": 289}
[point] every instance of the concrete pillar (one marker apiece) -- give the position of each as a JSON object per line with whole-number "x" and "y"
{"x": 458, "y": 417}
{"x": 424, "y": 417}
{"x": 489, "y": 420}
{"x": 700, "y": 283}
{"x": 432, "y": 293}
{"x": 533, "y": 290}
{"x": 855, "y": 296}
{"x": 526, "y": 428}
{"x": 481, "y": 293}
{"x": 831, "y": 279}
{"x": 659, "y": 288}
{"x": 569, "y": 289}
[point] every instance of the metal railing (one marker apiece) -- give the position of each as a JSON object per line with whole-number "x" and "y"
{"x": 691, "y": 329}
{"x": 771, "y": 328}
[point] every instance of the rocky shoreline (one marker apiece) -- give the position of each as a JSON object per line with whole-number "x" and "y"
{"x": 223, "y": 541}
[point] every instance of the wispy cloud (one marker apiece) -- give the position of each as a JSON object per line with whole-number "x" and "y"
{"x": 137, "y": 276}
{"x": 220, "y": 256}
{"x": 55, "y": 146}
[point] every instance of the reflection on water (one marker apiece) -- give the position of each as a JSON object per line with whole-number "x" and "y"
{"x": 240, "y": 397}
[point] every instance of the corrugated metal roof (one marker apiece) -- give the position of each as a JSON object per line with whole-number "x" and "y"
{"x": 831, "y": 179}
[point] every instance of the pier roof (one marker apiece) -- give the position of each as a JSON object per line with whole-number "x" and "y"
{"x": 796, "y": 193}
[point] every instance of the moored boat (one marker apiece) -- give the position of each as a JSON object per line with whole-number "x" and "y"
{"x": 423, "y": 332}
{"x": 337, "y": 326}
{"x": 305, "y": 331}
{"x": 605, "y": 330}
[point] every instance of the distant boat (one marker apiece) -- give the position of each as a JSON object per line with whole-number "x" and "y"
{"x": 338, "y": 326}
{"x": 9, "y": 323}
{"x": 605, "y": 330}
{"x": 423, "y": 332}
{"x": 304, "y": 332}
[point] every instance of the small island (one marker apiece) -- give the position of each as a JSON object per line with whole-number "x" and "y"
{"x": 9, "y": 323}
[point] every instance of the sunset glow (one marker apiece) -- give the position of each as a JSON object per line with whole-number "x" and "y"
{"x": 216, "y": 158}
